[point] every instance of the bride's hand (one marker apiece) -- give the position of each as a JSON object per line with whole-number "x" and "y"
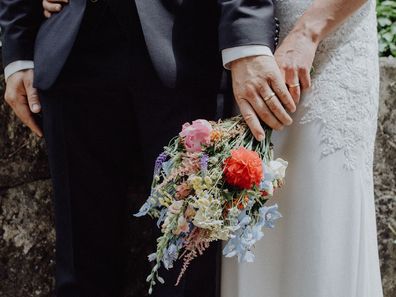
{"x": 53, "y": 6}
{"x": 295, "y": 57}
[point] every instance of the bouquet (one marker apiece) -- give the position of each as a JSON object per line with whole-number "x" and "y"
{"x": 212, "y": 182}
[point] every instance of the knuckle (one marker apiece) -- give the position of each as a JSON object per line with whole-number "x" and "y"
{"x": 248, "y": 92}
{"x": 270, "y": 76}
{"x": 289, "y": 68}
{"x": 9, "y": 98}
{"x": 280, "y": 92}
{"x": 261, "y": 89}
{"x": 275, "y": 108}
{"x": 33, "y": 98}
{"x": 249, "y": 117}
{"x": 303, "y": 70}
{"x": 265, "y": 116}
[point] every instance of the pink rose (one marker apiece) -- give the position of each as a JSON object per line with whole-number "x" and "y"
{"x": 196, "y": 134}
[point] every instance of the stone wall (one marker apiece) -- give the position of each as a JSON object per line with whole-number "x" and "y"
{"x": 385, "y": 175}
{"x": 27, "y": 237}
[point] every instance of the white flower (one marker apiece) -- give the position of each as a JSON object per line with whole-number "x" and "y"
{"x": 278, "y": 168}
{"x": 176, "y": 207}
{"x": 267, "y": 186}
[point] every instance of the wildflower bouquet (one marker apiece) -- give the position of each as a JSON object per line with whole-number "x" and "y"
{"x": 212, "y": 182}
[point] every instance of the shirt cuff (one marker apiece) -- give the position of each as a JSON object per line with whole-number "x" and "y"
{"x": 17, "y": 66}
{"x": 239, "y": 52}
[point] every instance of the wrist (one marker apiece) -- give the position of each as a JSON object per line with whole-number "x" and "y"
{"x": 313, "y": 28}
{"x": 246, "y": 60}
{"x": 17, "y": 66}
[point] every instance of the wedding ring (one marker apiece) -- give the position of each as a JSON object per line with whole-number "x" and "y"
{"x": 269, "y": 97}
{"x": 294, "y": 85}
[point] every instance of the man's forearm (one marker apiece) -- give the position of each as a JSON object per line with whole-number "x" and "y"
{"x": 19, "y": 22}
{"x": 241, "y": 23}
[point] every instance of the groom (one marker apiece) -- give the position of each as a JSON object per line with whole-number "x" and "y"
{"x": 114, "y": 80}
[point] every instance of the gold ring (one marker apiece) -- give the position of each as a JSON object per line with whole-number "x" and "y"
{"x": 269, "y": 97}
{"x": 294, "y": 85}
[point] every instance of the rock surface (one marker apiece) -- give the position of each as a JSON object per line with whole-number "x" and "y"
{"x": 385, "y": 175}
{"x": 27, "y": 236}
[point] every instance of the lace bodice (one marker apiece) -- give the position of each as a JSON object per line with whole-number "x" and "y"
{"x": 344, "y": 95}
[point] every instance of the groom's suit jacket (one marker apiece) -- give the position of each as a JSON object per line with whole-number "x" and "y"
{"x": 183, "y": 37}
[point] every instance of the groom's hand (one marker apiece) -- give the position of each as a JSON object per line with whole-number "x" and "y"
{"x": 23, "y": 98}
{"x": 261, "y": 93}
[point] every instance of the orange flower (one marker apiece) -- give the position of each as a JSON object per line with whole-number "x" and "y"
{"x": 215, "y": 136}
{"x": 243, "y": 168}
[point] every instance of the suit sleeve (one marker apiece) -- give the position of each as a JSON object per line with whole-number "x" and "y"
{"x": 246, "y": 22}
{"x": 19, "y": 22}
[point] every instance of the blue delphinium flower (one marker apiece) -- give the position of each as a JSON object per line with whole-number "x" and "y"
{"x": 144, "y": 209}
{"x": 151, "y": 202}
{"x": 167, "y": 166}
{"x": 170, "y": 255}
{"x": 248, "y": 233}
{"x": 152, "y": 257}
{"x": 268, "y": 215}
{"x": 162, "y": 216}
{"x": 241, "y": 241}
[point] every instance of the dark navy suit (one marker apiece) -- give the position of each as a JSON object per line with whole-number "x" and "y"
{"x": 117, "y": 79}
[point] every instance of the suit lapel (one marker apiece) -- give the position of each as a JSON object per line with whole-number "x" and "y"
{"x": 156, "y": 19}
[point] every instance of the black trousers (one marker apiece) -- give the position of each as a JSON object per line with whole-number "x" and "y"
{"x": 105, "y": 121}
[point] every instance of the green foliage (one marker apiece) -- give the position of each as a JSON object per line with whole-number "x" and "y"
{"x": 386, "y": 14}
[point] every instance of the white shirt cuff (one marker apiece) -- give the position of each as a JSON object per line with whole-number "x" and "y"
{"x": 239, "y": 52}
{"x": 17, "y": 66}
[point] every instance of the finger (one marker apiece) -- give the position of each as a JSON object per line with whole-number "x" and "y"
{"x": 47, "y": 14}
{"x": 276, "y": 107}
{"x": 291, "y": 77}
{"x": 305, "y": 78}
{"x": 32, "y": 97}
{"x": 278, "y": 85}
{"x": 52, "y": 7}
{"x": 22, "y": 110}
{"x": 265, "y": 114}
{"x": 251, "y": 119}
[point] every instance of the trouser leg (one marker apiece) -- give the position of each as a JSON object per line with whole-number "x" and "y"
{"x": 90, "y": 160}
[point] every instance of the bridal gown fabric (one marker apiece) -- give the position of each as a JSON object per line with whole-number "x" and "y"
{"x": 326, "y": 243}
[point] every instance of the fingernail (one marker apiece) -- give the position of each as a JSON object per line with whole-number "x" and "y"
{"x": 260, "y": 137}
{"x": 36, "y": 107}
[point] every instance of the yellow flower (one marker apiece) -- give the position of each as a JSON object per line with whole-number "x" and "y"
{"x": 208, "y": 181}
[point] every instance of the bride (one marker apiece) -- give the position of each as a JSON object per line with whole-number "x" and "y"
{"x": 326, "y": 243}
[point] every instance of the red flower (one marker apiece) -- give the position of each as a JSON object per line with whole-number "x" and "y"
{"x": 243, "y": 169}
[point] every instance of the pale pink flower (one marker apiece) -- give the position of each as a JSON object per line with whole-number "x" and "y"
{"x": 183, "y": 190}
{"x": 196, "y": 134}
{"x": 182, "y": 226}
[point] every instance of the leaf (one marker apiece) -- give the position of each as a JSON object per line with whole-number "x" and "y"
{"x": 384, "y": 22}
{"x": 388, "y": 36}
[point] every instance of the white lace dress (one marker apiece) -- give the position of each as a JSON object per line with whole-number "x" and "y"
{"x": 326, "y": 243}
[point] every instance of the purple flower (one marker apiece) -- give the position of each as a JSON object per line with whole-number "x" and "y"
{"x": 204, "y": 163}
{"x": 158, "y": 163}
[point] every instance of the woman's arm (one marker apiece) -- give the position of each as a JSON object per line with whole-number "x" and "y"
{"x": 325, "y": 16}
{"x": 297, "y": 52}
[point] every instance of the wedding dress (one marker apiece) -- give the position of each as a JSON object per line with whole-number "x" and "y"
{"x": 326, "y": 243}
